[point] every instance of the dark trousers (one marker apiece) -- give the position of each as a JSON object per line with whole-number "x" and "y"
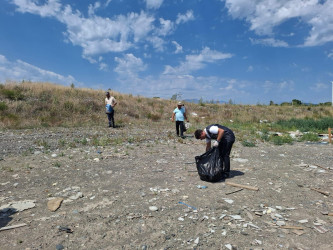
{"x": 225, "y": 148}
{"x": 111, "y": 119}
{"x": 180, "y": 126}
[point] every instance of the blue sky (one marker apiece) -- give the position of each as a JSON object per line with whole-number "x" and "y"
{"x": 249, "y": 52}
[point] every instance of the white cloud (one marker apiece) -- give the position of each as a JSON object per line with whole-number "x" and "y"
{"x": 185, "y": 18}
{"x": 269, "y": 86}
{"x": 318, "y": 87}
{"x": 179, "y": 48}
{"x": 167, "y": 27}
{"x": 153, "y": 4}
{"x": 30, "y": 6}
{"x": 197, "y": 61}
{"x": 330, "y": 54}
{"x": 269, "y": 42}
{"x": 265, "y": 15}
{"x": 250, "y": 68}
{"x": 20, "y": 70}
{"x": 129, "y": 66}
{"x": 92, "y": 8}
{"x": 99, "y": 35}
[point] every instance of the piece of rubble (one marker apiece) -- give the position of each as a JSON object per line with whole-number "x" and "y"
{"x": 54, "y": 204}
{"x": 19, "y": 206}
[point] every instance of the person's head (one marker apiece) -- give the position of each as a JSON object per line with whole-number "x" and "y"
{"x": 107, "y": 94}
{"x": 200, "y": 134}
{"x": 179, "y": 104}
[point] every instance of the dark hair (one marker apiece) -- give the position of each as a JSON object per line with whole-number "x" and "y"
{"x": 197, "y": 133}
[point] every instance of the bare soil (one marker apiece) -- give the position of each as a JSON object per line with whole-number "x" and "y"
{"x": 109, "y": 192}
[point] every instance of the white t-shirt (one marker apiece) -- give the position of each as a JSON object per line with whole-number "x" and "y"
{"x": 111, "y": 101}
{"x": 212, "y": 130}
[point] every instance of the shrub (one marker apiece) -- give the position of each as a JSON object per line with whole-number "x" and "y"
{"x": 280, "y": 140}
{"x": 247, "y": 143}
{"x": 153, "y": 117}
{"x": 3, "y": 106}
{"x": 309, "y": 137}
{"x": 12, "y": 94}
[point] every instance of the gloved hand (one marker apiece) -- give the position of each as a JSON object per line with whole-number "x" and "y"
{"x": 215, "y": 144}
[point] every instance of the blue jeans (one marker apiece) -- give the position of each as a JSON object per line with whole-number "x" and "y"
{"x": 181, "y": 125}
{"x": 111, "y": 119}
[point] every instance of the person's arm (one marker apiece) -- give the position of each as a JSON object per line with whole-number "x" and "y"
{"x": 185, "y": 116}
{"x": 220, "y": 134}
{"x": 173, "y": 117}
{"x": 208, "y": 145}
{"x": 114, "y": 102}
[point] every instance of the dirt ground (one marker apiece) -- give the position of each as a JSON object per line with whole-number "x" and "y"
{"x": 145, "y": 193}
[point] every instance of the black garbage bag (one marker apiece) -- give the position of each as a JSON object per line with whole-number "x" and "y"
{"x": 210, "y": 166}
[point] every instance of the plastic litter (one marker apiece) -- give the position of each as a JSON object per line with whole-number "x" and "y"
{"x": 210, "y": 166}
{"x": 180, "y": 202}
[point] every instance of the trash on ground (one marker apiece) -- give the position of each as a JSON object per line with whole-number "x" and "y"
{"x": 242, "y": 186}
{"x": 54, "y": 204}
{"x": 65, "y": 229}
{"x": 180, "y": 202}
{"x": 12, "y": 227}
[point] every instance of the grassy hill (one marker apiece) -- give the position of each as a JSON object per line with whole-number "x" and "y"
{"x": 39, "y": 104}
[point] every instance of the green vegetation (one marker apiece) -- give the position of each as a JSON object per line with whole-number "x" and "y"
{"x": 306, "y": 124}
{"x": 310, "y": 137}
{"x": 36, "y": 105}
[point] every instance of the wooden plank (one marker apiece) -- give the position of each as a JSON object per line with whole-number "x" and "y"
{"x": 13, "y": 227}
{"x": 242, "y": 186}
{"x": 292, "y": 227}
{"x": 234, "y": 191}
{"x": 320, "y": 191}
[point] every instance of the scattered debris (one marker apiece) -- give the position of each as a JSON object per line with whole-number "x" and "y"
{"x": 320, "y": 191}
{"x": 153, "y": 208}
{"x": 12, "y": 227}
{"x": 54, "y": 204}
{"x": 20, "y": 206}
{"x": 65, "y": 229}
{"x": 180, "y": 202}
{"x": 242, "y": 186}
{"x": 234, "y": 191}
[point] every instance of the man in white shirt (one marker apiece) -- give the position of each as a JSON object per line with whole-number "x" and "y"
{"x": 110, "y": 103}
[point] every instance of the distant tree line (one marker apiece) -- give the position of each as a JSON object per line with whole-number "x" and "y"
{"x": 296, "y": 102}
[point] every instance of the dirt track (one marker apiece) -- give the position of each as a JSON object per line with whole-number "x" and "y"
{"x": 108, "y": 193}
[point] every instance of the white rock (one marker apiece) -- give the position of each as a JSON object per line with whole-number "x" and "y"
{"x": 180, "y": 218}
{"x": 96, "y": 160}
{"x": 54, "y": 155}
{"x": 19, "y": 205}
{"x": 240, "y": 160}
{"x": 228, "y": 200}
{"x": 229, "y": 246}
{"x": 280, "y": 223}
{"x": 196, "y": 241}
{"x": 303, "y": 221}
{"x": 153, "y": 208}
{"x": 236, "y": 217}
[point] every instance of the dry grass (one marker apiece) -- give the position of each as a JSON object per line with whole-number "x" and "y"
{"x": 26, "y": 105}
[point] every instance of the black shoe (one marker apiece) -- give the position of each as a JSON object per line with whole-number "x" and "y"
{"x": 226, "y": 175}
{"x": 109, "y": 125}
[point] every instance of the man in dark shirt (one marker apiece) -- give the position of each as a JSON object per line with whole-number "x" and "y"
{"x": 224, "y": 137}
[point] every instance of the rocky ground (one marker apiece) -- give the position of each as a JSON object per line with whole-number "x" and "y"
{"x": 144, "y": 193}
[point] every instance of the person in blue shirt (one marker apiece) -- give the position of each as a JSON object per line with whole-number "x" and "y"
{"x": 180, "y": 115}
